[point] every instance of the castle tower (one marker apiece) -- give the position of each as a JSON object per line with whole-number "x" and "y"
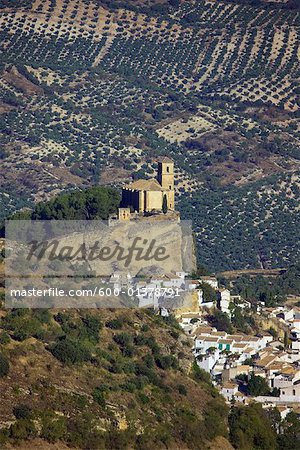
{"x": 124, "y": 214}
{"x": 165, "y": 175}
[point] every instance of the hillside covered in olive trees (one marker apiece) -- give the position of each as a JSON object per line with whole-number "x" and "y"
{"x": 94, "y": 91}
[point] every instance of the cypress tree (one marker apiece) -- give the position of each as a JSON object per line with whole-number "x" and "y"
{"x": 165, "y": 204}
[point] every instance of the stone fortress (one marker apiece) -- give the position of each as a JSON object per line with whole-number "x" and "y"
{"x": 146, "y": 197}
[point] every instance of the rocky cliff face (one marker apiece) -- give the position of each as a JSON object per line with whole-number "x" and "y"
{"x": 72, "y": 254}
{"x": 159, "y": 246}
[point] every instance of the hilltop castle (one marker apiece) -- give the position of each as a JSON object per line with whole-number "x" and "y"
{"x": 146, "y": 196}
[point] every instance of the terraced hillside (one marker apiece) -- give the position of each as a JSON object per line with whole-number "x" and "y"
{"x": 94, "y": 91}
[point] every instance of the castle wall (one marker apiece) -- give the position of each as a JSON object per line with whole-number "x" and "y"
{"x": 141, "y": 201}
{"x": 171, "y": 199}
{"x": 125, "y": 198}
{"x": 131, "y": 199}
{"x": 154, "y": 200}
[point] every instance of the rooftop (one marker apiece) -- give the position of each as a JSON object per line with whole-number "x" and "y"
{"x": 210, "y": 339}
{"x": 229, "y": 385}
{"x": 165, "y": 159}
{"x": 266, "y": 361}
{"x": 202, "y": 329}
{"x": 145, "y": 185}
{"x": 205, "y": 277}
{"x": 249, "y": 349}
{"x": 219, "y": 333}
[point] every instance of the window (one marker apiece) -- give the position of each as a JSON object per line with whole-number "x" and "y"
{"x": 168, "y": 169}
{"x": 294, "y": 392}
{"x": 170, "y": 187}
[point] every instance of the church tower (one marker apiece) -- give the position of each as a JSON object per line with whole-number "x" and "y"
{"x": 165, "y": 177}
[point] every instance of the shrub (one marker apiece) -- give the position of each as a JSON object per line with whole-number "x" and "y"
{"x": 140, "y": 339}
{"x": 98, "y": 395}
{"x": 54, "y": 428}
{"x": 23, "y": 429}
{"x": 4, "y": 366}
{"x": 182, "y": 389}
{"x": 92, "y": 327}
{"x": 215, "y": 418}
{"x": 143, "y": 398}
{"x": 142, "y": 369}
{"x": 23, "y": 412}
{"x": 220, "y": 321}
{"x": 174, "y": 334}
{"x": 128, "y": 350}
{"x": 81, "y": 433}
{"x": 4, "y": 436}
{"x": 149, "y": 361}
{"x": 114, "y": 324}
{"x": 123, "y": 339}
{"x": 152, "y": 344}
{"x": 4, "y": 338}
{"x": 70, "y": 352}
{"x": 22, "y": 329}
{"x": 166, "y": 362}
{"x": 172, "y": 321}
{"x": 42, "y": 315}
{"x": 257, "y": 386}
{"x": 199, "y": 374}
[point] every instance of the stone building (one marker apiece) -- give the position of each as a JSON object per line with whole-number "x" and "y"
{"x": 146, "y": 196}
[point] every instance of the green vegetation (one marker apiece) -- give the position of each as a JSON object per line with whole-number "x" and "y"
{"x": 200, "y": 375}
{"x": 242, "y": 320}
{"x": 23, "y": 429}
{"x": 114, "y": 324}
{"x": 269, "y": 290}
{"x": 116, "y": 369}
{"x": 4, "y": 366}
{"x": 54, "y": 428}
{"x": 88, "y": 204}
{"x": 92, "y": 203}
{"x": 92, "y": 96}
{"x": 220, "y": 321}
{"x": 209, "y": 293}
{"x": 70, "y": 352}
{"x": 289, "y": 439}
{"x": 16, "y": 3}
{"x": 257, "y": 386}
{"x": 165, "y": 205}
{"x": 104, "y": 86}
{"x": 250, "y": 428}
{"x": 23, "y": 412}
{"x": 232, "y": 230}
{"x": 20, "y": 328}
